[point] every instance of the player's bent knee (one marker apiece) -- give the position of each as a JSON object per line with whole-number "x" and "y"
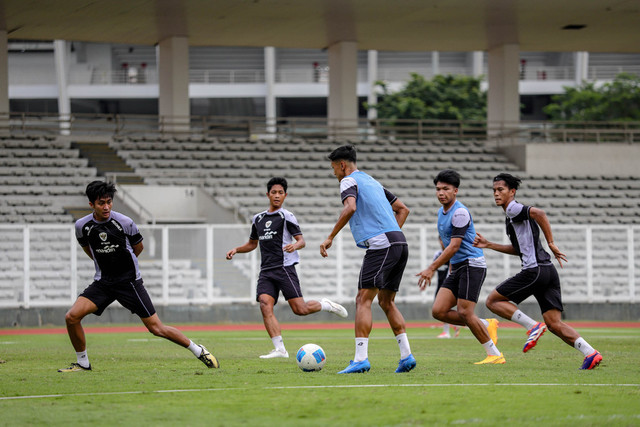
{"x": 156, "y": 330}
{"x": 71, "y": 319}
{"x": 437, "y": 314}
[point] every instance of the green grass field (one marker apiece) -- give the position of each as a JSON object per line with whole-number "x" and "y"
{"x": 139, "y": 379}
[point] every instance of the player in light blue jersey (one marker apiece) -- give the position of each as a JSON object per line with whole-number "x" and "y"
{"x": 375, "y": 217}
{"x": 468, "y": 269}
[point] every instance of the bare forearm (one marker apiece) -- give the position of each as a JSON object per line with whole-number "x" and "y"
{"x": 505, "y": 249}
{"x": 247, "y": 247}
{"x": 540, "y": 217}
{"x": 444, "y": 257}
{"x": 343, "y": 219}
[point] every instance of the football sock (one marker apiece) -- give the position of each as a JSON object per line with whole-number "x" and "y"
{"x": 491, "y": 348}
{"x": 195, "y": 348}
{"x": 403, "y": 343}
{"x": 485, "y": 322}
{"x": 362, "y": 349}
{"x": 445, "y": 328}
{"x": 325, "y": 306}
{"x": 523, "y": 320}
{"x": 583, "y": 347}
{"x": 83, "y": 359}
{"x": 278, "y": 343}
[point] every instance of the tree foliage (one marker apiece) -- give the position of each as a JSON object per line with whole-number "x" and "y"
{"x": 446, "y": 97}
{"x": 618, "y": 100}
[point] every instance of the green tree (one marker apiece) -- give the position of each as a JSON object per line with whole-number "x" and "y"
{"x": 446, "y": 97}
{"x": 618, "y": 100}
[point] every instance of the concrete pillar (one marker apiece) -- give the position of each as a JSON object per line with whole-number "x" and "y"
{"x": 581, "y": 60}
{"x": 62, "y": 71}
{"x": 477, "y": 63}
{"x": 343, "y": 95}
{"x": 173, "y": 79}
{"x": 435, "y": 63}
{"x": 270, "y": 80}
{"x": 503, "y": 100}
{"x": 4, "y": 82}
{"x": 372, "y": 78}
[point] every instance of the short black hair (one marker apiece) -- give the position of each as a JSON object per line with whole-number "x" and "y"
{"x": 513, "y": 182}
{"x": 99, "y": 189}
{"x": 277, "y": 180}
{"x": 448, "y": 176}
{"x": 346, "y": 152}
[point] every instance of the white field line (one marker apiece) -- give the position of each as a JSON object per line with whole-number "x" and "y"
{"x": 116, "y": 393}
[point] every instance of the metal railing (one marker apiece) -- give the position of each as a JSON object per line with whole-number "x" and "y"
{"x": 42, "y": 265}
{"x": 159, "y": 127}
{"x": 137, "y": 75}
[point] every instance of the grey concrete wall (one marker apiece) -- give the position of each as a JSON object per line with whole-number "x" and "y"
{"x": 248, "y": 313}
{"x": 606, "y": 159}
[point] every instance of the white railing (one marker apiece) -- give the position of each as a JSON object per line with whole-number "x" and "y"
{"x": 42, "y": 265}
{"x": 199, "y": 127}
{"x": 321, "y": 75}
{"x": 226, "y": 76}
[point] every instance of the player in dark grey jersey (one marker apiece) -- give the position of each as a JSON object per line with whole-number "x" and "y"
{"x": 279, "y": 235}
{"x": 538, "y": 276}
{"x": 113, "y": 242}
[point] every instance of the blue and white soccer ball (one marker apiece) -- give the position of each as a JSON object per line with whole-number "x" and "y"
{"x": 311, "y": 357}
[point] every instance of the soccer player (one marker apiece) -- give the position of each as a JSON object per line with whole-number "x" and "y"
{"x": 468, "y": 269}
{"x": 538, "y": 276}
{"x": 280, "y": 238}
{"x": 375, "y": 217}
{"x": 113, "y": 242}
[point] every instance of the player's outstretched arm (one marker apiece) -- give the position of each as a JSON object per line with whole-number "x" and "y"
{"x": 481, "y": 242}
{"x": 426, "y": 275}
{"x": 346, "y": 214}
{"x": 540, "y": 217}
{"x": 247, "y": 247}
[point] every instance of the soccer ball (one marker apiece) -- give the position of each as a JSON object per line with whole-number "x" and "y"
{"x": 311, "y": 357}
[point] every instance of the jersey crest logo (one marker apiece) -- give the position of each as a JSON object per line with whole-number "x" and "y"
{"x": 103, "y": 236}
{"x": 267, "y": 224}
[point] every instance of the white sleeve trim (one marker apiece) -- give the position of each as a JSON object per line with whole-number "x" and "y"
{"x": 461, "y": 218}
{"x": 514, "y": 209}
{"x": 347, "y": 183}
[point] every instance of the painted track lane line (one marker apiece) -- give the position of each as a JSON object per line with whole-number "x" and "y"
{"x": 225, "y": 389}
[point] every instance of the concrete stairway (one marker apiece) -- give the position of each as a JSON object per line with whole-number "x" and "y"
{"x": 106, "y": 160}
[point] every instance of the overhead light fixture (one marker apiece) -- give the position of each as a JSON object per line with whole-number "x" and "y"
{"x": 574, "y": 27}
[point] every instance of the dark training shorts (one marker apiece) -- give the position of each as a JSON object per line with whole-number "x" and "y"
{"x": 274, "y": 280}
{"x": 132, "y": 295}
{"x": 542, "y": 282}
{"x": 465, "y": 281}
{"x": 383, "y": 268}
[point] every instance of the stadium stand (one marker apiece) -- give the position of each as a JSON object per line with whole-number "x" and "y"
{"x": 38, "y": 177}
{"x": 237, "y": 169}
{"x": 38, "y": 173}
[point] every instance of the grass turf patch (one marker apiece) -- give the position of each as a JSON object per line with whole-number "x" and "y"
{"x": 140, "y": 378}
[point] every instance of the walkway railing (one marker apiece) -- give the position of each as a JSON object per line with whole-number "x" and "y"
{"x": 200, "y": 127}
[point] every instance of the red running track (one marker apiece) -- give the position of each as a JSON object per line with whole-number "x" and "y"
{"x": 285, "y": 326}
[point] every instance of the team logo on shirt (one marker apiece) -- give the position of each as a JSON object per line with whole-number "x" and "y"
{"x": 103, "y": 236}
{"x": 268, "y": 235}
{"x": 267, "y": 224}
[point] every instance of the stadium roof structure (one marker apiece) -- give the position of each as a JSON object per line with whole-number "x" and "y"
{"x": 409, "y": 25}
